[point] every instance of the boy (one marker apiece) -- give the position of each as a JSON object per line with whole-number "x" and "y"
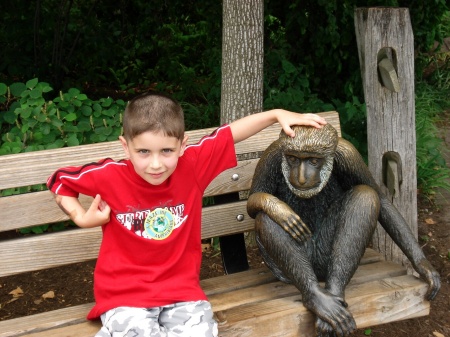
{"x": 149, "y": 207}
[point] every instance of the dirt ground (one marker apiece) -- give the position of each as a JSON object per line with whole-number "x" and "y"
{"x": 72, "y": 285}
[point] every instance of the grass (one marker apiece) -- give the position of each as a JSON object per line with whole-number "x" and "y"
{"x": 432, "y": 105}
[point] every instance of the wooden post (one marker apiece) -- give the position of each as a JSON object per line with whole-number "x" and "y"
{"x": 386, "y": 55}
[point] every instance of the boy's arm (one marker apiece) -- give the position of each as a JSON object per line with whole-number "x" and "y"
{"x": 252, "y": 124}
{"x": 97, "y": 214}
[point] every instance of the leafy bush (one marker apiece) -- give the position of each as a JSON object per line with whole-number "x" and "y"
{"x": 30, "y": 122}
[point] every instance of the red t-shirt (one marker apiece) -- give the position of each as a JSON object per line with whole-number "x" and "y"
{"x": 150, "y": 254}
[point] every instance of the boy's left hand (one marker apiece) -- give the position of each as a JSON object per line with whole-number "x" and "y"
{"x": 287, "y": 119}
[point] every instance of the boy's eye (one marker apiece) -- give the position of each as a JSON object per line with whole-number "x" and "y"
{"x": 143, "y": 151}
{"x": 167, "y": 150}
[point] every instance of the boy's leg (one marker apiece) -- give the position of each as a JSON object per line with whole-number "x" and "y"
{"x": 135, "y": 322}
{"x": 189, "y": 319}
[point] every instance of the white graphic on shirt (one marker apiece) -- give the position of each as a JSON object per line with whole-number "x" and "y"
{"x": 157, "y": 224}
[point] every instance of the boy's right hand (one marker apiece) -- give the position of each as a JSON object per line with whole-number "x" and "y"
{"x": 97, "y": 214}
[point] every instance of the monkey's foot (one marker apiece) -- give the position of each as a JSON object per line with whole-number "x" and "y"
{"x": 333, "y": 318}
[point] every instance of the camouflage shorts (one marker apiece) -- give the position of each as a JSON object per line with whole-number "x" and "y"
{"x": 186, "y": 319}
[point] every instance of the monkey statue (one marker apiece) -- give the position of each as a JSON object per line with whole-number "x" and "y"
{"x": 316, "y": 206}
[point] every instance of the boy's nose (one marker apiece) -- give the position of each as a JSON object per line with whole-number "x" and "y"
{"x": 155, "y": 163}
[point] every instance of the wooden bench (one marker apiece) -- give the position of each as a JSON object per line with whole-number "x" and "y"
{"x": 249, "y": 303}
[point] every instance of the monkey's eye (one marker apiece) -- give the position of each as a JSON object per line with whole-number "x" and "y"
{"x": 315, "y": 161}
{"x": 292, "y": 160}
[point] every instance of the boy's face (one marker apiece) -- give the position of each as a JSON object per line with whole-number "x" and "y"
{"x": 154, "y": 155}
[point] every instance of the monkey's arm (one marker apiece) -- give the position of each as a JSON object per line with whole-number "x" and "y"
{"x": 266, "y": 180}
{"x": 353, "y": 171}
{"x": 397, "y": 228}
{"x": 280, "y": 213}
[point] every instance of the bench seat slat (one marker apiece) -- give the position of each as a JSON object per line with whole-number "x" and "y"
{"x": 372, "y": 303}
{"x": 259, "y": 294}
{"x": 274, "y": 289}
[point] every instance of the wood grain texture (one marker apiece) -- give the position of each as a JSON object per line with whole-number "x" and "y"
{"x": 254, "y": 303}
{"x": 390, "y": 114}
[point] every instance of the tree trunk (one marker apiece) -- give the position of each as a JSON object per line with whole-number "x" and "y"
{"x": 242, "y": 94}
{"x": 242, "y": 59}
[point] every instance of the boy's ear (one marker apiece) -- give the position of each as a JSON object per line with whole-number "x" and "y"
{"x": 183, "y": 144}
{"x": 124, "y": 143}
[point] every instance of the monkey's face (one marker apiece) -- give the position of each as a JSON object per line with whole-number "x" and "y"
{"x": 307, "y": 159}
{"x": 304, "y": 169}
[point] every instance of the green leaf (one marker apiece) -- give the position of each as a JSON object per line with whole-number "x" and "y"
{"x": 24, "y": 113}
{"x": 55, "y": 145}
{"x": 32, "y": 83}
{"x": 3, "y": 89}
{"x": 68, "y": 127}
{"x": 84, "y": 126}
{"x": 74, "y": 91}
{"x": 35, "y": 93}
{"x": 97, "y": 107}
{"x": 107, "y": 102}
{"x": 17, "y": 89}
{"x": 367, "y": 332}
{"x": 77, "y": 102}
{"x": 9, "y": 117}
{"x": 45, "y": 87}
{"x": 45, "y": 128}
{"x": 86, "y": 110}
{"x": 72, "y": 140}
{"x": 71, "y": 117}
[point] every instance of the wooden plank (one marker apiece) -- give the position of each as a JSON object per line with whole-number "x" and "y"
{"x": 227, "y": 284}
{"x": 46, "y": 321}
{"x": 372, "y": 303}
{"x": 77, "y": 245}
{"x": 384, "y": 32}
{"x": 82, "y": 329}
{"x": 273, "y": 290}
{"x": 31, "y": 168}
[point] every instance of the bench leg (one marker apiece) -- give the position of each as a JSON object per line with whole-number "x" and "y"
{"x": 232, "y": 247}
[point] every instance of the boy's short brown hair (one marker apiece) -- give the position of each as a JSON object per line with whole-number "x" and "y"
{"x": 153, "y": 112}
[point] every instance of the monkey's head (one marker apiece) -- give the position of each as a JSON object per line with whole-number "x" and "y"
{"x": 307, "y": 158}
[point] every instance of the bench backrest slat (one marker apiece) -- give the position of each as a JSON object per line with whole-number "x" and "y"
{"x": 44, "y": 251}
{"x": 39, "y": 207}
{"x": 75, "y": 245}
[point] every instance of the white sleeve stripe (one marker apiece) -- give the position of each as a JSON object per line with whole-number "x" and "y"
{"x": 209, "y": 137}
{"x": 84, "y": 172}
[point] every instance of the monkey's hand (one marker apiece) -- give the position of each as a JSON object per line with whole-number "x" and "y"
{"x": 431, "y": 276}
{"x": 284, "y": 216}
{"x": 333, "y": 319}
{"x": 280, "y": 213}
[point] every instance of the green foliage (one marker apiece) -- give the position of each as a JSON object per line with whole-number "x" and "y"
{"x": 367, "y": 332}
{"x": 289, "y": 86}
{"x": 31, "y": 122}
{"x": 432, "y": 170}
{"x": 320, "y": 36}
